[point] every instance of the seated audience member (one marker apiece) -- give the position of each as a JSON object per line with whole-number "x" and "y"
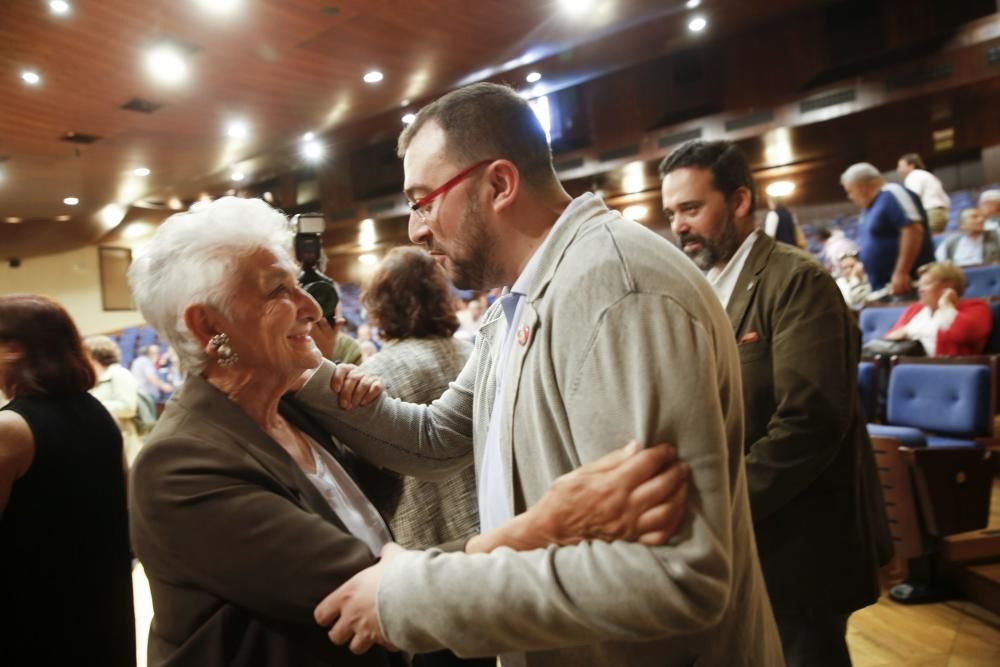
{"x": 974, "y": 245}
{"x": 468, "y": 320}
{"x": 116, "y": 389}
{"x": 989, "y": 204}
{"x": 146, "y": 371}
{"x": 945, "y": 325}
{"x": 366, "y": 335}
{"x": 244, "y": 512}
{"x": 408, "y": 300}
{"x": 852, "y": 281}
{"x": 835, "y": 245}
{"x": 926, "y": 185}
{"x": 65, "y": 567}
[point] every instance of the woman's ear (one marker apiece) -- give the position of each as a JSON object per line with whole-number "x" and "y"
{"x": 200, "y": 321}
{"x": 505, "y": 184}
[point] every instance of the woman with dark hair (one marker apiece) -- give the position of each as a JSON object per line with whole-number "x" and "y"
{"x": 408, "y": 300}
{"x": 65, "y": 566}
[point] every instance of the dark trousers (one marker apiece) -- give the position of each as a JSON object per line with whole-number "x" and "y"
{"x": 813, "y": 639}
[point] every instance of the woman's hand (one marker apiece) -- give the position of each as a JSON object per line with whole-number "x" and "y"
{"x": 898, "y": 334}
{"x": 948, "y": 299}
{"x": 632, "y": 494}
{"x": 354, "y": 386}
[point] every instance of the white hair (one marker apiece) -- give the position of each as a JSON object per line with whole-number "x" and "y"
{"x": 862, "y": 171}
{"x": 990, "y": 195}
{"x": 194, "y": 258}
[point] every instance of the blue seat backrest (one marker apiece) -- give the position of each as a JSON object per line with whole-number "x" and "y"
{"x": 993, "y": 343}
{"x": 982, "y": 281}
{"x": 948, "y": 399}
{"x": 866, "y": 388}
{"x": 876, "y": 321}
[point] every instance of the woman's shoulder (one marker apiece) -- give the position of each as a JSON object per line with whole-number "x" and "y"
{"x": 17, "y": 443}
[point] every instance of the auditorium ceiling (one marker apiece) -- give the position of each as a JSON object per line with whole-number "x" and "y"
{"x": 95, "y": 147}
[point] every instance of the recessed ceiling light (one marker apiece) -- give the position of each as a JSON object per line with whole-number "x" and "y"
{"x": 71, "y": 201}
{"x": 373, "y": 77}
{"x": 313, "y": 151}
{"x": 237, "y": 129}
{"x": 141, "y": 171}
{"x": 167, "y": 64}
{"x": 697, "y": 24}
{"x": 219, "y": 6}
{"x": 31, "y": 78}
{"x": 635, "y": 212}
{"x": 692, "y": 4}
{"x": 533, "y": 77}
{"x": 13, "y": 219}
{"x": 409, "y": 118}
{"x": 308, "y": 136}
{"x": 237, "y": 175}
{"x": 368, "y": 259}
{"x": 59, "y": 7}
{"x": 780, "y": 188}
{"x": 405, "y": 103}
{"x": 576, "y": 7}
{"x": 64, "y": 218}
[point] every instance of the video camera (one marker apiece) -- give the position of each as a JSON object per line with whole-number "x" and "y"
{"x": 308, "y": 251}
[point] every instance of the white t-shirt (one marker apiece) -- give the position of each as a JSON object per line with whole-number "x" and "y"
{"x": 928, "y": 188}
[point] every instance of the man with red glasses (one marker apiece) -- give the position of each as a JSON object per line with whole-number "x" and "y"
{"x": 607, "y": 333}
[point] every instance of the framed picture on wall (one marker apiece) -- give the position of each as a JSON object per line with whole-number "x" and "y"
{"x": 114, "y": 263}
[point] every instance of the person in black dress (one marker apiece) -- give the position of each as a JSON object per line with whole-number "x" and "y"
{"x": 65, "y": 565}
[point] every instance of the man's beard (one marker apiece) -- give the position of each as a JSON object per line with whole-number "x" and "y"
{"x": 472, "y": 260}
{"x": 718, "y": 250}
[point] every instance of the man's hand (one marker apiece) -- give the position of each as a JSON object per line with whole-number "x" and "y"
{"x": 354, "y": 386}
{"x": 901, "y": 284}
{"x": 352, "y": 609}
{"x": 631, "y": 494}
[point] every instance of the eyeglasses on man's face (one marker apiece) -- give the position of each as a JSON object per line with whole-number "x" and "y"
{"x": 422, "y": 206}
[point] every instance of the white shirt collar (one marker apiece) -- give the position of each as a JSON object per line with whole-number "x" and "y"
{"x": 724, "y": 280}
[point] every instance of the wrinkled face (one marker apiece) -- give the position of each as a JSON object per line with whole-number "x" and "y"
{"x": 861, "y": 193}
{"x": 973, "y": 222}
{"x": 700, "y": 217}
{"x": 930, "y": 289}
{"x": 847, "y": 264}
{"x": 325, "y": 334}
{"x": 990, "y": 209}
{"x": 454, "y": 229}
{"x": 273, "y": 317}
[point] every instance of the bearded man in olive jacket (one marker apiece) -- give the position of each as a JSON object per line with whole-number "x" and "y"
{"x": 817, "y": 512}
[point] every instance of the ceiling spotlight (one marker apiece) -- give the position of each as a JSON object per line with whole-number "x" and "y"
{"x": 697, "y": 24}
{"x": 237, "y": 175}
{"x": 692, "y": 4}
{"x": 780, "y": 189}
{"x": 533, "y": 77}
{"x": 71, "y": 201}
{"x": 405, "y": 103}
{"x": 308, "y": 136}
{"x": 576, "y": 7}
{"x": 409, "y": 118}
{"x": 167, "y": 64}
{"x": 59, "y": 7}
{"x": 13, "y": 220}
{"x": 31, "y": 78}
{"x": 368, "y": 259}
{"x": 237, "y": 129}
{"x": 313, "y": 151}
{"x": 635, "y": 212}
{"x": 63, "y": 218}
{"x": 111, "y": 215}
{"x": 373, "y": 77}
{"x": 219, "y": 6}
{"x": 141, "y": 171}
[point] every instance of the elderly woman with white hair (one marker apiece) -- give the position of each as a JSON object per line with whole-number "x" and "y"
{"x": 244, "y": 512}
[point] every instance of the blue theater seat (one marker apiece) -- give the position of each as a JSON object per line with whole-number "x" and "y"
{"x": 875, "y": 321}
{"x": 868, "y": 388}
{"x": 982, "y": 281}
{"x": 950, "y": 404}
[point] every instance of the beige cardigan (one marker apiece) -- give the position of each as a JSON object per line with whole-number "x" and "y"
{"x": 626, "y": 341}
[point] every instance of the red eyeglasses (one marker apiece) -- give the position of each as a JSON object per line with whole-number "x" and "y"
{"x": 418, "y": 206}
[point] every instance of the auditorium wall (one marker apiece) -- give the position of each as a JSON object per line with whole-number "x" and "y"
{"x": 74, "y": 280}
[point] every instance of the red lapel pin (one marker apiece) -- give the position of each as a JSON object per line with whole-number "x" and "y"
{"x": 522, "y": 335}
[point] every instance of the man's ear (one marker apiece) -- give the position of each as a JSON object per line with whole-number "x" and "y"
{"x": 505, "y": 184}
{"x": 741, "y": 203}
{"x": 202, "y": 322}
